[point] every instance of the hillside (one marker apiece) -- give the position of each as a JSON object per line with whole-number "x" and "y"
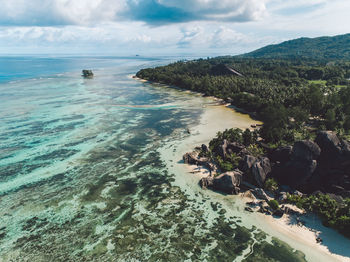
{"x": 320, "y": 48}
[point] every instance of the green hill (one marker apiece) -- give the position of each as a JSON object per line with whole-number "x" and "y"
{"x": 320, "y": 48}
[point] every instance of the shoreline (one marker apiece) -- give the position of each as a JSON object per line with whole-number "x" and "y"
{"x": 287, "y": 229}
{"x": 236, "y": 109}
{"x": 187, "y": 177}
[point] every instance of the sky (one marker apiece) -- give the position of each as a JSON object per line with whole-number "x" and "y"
{"x": 164, "y": 27}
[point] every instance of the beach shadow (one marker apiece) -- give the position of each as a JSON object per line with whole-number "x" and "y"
{"x": 240, "y": 110}
{"x": 199, "y": 169}
{"x": 333, "y": 240}
{"x": 181, "y": 161}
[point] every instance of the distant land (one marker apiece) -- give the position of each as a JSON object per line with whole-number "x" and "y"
{"x": 326, "y": 47}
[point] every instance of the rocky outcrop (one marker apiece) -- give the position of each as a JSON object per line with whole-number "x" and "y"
{"x": 228, "y": 182}
{"x": 281, "y": 154}
{"x": 190, "y": 158}
{"x": 278, "y": 212}
{"x": 227, "y": 149}
{"x": 193, "y": 159}
{"x": 223, "y": 149}
{"x": 282, "y": 197}
{"x": 307, "y": 166}
{"x": 302, "y": 164}
{"x": 260, "y": 193}
{"x": 87, "y": 73}
{"x": 296, "y": 172}
{"x": 345, "y": 145}
{"x": 306, "y": 150}
{"x": 206, "y": 182}
{"x": 333, "y": 172}
{"x": 247, "y": 163}
{"x": 204, "y": 148}
{"x": 329, "y": 143}
{"x": 260, "y": 169}
{"x": 310, "y": 166}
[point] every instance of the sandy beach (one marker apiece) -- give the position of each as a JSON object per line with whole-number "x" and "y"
{"x": 335, "y": 247}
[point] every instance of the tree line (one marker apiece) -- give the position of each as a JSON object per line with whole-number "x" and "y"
{"x": 292, "y": 97}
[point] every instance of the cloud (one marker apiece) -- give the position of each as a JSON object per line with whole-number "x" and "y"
{"x": 204, "y": 37}
{"x": 155, "y": 12}
{"x": 310, "y": 18}
{"x": 226, "y": 37}
{"x": 206, "y": 26}
{"x": 58, "y": 12}
{"x": 108, "y": 38}
{"x": 192, "y": 35}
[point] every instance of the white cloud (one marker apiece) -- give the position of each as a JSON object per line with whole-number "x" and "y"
{"x": 183, "y": 25}
{"x": 226, "y": 37}
{"x": 192, "y": 36}
{"x": 276, "y": 5}
{"x": 89, "y": 12}
{"x": 59, "y": 12}
{"x": 295, "y": 18}
{"x": 121, "y": 38}
{"x": 229, "y": 10}
{"x": 203, "y": 36}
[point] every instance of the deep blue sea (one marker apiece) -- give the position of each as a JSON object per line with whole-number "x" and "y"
{"x": 82, "y": 177}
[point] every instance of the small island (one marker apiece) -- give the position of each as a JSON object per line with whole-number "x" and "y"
{"x": 87, "y": 73}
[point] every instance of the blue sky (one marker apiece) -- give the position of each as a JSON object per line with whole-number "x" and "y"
{"x": 148, "y": 27}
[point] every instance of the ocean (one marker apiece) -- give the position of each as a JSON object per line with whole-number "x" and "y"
{"x": 90, "y": 169}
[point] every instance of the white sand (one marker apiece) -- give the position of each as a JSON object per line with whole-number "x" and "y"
{"x": 335, "y": 247}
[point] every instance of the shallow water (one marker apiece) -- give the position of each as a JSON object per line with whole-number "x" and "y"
{"x": 82, "y": 177}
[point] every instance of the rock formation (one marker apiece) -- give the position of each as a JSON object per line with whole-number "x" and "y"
{"x": 307, "y": 166}
{"x": 228, "y": 182}
{"x": 87, "y": 73}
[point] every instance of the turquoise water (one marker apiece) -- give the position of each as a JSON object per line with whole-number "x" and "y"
{"x": 81, "y": 176}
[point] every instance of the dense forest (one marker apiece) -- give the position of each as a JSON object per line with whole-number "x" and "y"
{"x": 292, "y": 97}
